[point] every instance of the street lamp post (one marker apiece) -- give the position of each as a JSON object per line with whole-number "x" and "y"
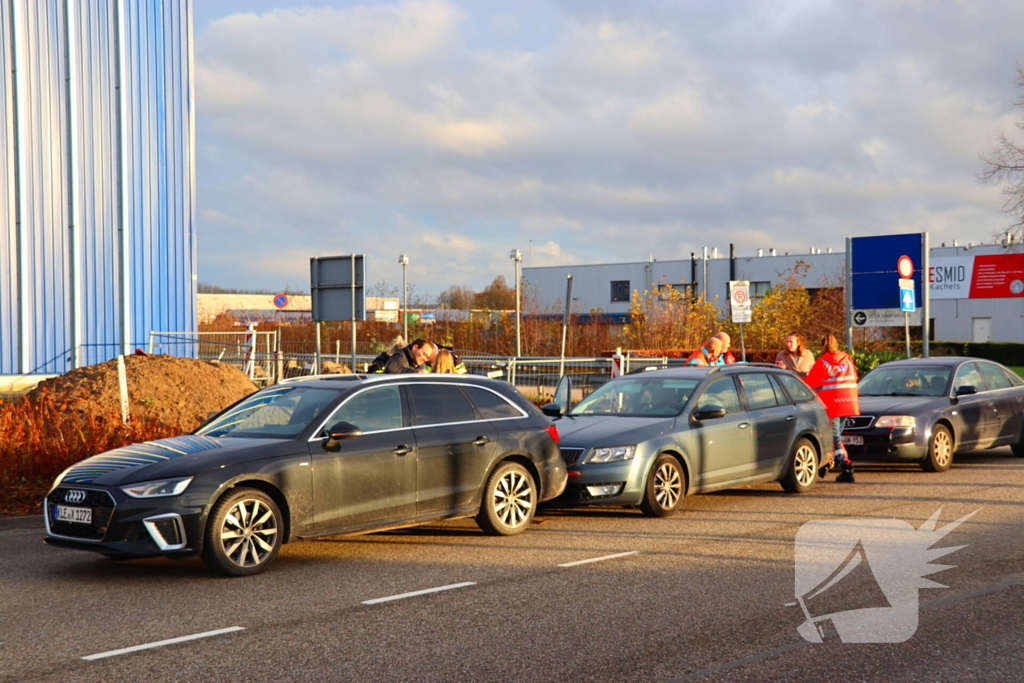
{"x": 517, "y": 256}
{"x": 403, "y": 261}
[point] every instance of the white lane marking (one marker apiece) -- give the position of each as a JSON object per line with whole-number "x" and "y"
{"x": 161, "y": 643}
{"x": 599, "y": 559}
{"x": 422, "y": 592}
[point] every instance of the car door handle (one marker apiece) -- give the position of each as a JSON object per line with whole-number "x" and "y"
{"x": 790, "y": 418}
{"x": 402, "y": 450}
{"x": 481, "y": 441}
{"x": 743, "y": 425}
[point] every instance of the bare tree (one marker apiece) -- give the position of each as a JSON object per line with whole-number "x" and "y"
{"x": 1005, "y": 165}
{"x": 456, "y": 296}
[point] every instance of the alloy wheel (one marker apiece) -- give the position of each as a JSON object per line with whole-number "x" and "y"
{"x": 249, "y": 533}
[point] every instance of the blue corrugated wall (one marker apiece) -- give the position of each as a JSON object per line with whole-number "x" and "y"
{"x": 97, "y": 243}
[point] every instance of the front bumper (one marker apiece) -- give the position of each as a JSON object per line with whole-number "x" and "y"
{"x": 586, "y": 483}
{"x": 885, "y": 444}
{"x": 123, "y": 526}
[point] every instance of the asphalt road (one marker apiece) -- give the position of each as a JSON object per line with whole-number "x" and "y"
{"x": 700, "y": 596}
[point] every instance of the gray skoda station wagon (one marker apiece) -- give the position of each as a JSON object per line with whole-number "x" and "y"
{"x": 651, "y": 438}
{"x": 327, "y": 455}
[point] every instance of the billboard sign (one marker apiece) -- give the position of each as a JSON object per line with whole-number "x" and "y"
{"x": 338, "y": 287}
{"x": 875, "y": 268}
{"x": 989, "y": 276}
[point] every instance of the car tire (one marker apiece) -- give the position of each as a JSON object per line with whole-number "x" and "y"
{"x": 1018, "y": 448}
{"x": 243, "y": 533}
{"x": 802, "y": 472}
{"x": 510, "y": 499}
{"x": 940, "y": 450}
{"x": 665, "y": 488}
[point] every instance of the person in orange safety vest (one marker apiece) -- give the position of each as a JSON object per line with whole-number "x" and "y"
{"x": 707, "y": 354}
{"x": 834, "y": 377}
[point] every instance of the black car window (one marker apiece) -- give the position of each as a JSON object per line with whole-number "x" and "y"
{"x": 1014, "y": 378}
{"x": 439, "y": 404}
{"x": 994, "y": 377}
{"x": 490, "y": 405}
{"x": 373, "y": 410}
{"x": 759, "y": 390}
{"x": 797, "y": 390}
{"x": 720, "y": 392}
{"x": 967, "y": 374}
{"x": 281, "y": 411}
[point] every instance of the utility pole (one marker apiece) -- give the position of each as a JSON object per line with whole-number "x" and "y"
{"x": 517, "y": 256}
{"x": 403, "y": 261}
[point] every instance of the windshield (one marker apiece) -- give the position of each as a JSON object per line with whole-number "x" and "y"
{"x": 905, "y": 381}
{"x": 278, "y": 412}
{"x": 649, "y": 396}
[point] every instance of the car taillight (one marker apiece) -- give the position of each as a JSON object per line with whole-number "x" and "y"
{"x": 553, "y": 431}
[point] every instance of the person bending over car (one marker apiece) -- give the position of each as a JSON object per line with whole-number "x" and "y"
{"x": 412, "y": 358}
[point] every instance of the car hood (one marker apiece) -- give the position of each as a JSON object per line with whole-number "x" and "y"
{"x": 610, "y": 430}
{"x": 177, "y": 456}
{"x": 897, "y": 405}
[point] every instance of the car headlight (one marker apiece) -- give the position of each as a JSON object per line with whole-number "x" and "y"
{"x": 613, "y": 454}
{"x": 891, "y": 421}
{"x": 158, "y": 489}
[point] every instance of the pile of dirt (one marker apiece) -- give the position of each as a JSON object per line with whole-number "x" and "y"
{"x": 176, "y": 392}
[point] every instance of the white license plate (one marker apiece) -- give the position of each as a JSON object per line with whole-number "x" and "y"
{"x": 853, "y": 440}
{"x": 80, "y": 515}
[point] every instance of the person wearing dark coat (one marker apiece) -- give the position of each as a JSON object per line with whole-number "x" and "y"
{"x": 412, "y": 358}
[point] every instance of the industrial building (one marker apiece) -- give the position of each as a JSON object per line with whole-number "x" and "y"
{"x": 97, "y": 192}
{"x": 977, "y": 290}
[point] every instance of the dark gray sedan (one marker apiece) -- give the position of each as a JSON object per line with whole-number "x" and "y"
{"x": 338, "y": 454}
{"x": 651, "y": 438}
{"x": 928, "y": 409}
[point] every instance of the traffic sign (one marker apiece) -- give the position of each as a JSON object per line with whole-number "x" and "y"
{"x": 739, "y": 300}
{"x": 905, "y": 266}
{"x": 884, "y": 317}
{"x": 281, "y": 300}
{"x": 908, "y": 303}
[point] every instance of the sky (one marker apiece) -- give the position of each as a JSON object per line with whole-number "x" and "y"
{"x": 588, "y": 132}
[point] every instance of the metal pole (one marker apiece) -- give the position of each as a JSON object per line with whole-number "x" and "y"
{"x": 849, "y": 294}
{"x": 517, "y": 256}
{"x": 565, "y": 324}
{"x": 704, "y": 275}
{"x": 906, "y": 328}
{"x": 403, "y": 261}
{"x": 353, "y": 262}
{"x": 316, "y": 357}
{"x": 926, "y": 296}
{"x": 743, "y": 346}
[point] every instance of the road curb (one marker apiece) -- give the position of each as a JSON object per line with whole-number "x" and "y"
{"x": 21, "y": 522}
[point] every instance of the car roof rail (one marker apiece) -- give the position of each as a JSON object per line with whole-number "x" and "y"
{"x": 335, "y": 376}
{"x": 647, "y": 368}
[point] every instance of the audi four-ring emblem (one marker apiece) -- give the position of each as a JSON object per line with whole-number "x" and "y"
{"x": 74, "y": 496}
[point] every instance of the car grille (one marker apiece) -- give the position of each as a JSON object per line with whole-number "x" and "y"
{"x": 101, "y": 503}
{"x": 859, "y": 421}
{"x": 571, "y": 455}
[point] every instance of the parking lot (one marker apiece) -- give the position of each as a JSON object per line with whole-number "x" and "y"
{"x": 596, "y": 594}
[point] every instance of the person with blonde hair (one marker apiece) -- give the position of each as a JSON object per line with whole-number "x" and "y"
{"x": 795, "y": 357}
{"x": 834, "y": 377}
{"x": 444, "y": 362}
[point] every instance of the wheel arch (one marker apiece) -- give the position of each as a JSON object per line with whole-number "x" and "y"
{"x": 266, "y": 487}
{"x": 680, "y": 457}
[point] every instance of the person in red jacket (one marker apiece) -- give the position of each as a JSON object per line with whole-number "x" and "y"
{"x": 834, "y": 377}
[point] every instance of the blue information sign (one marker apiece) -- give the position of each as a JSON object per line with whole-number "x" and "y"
{"x": 907, "y": 301}
{"x": 281, "y": 300}
{"x": 873, "y": 269}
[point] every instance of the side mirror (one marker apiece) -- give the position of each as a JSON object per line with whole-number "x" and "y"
{"x": 563, "y": 394}
{"x": 552, "y": 409}
{"x": 710, "y": 412}
{"x": 966, "y": 390}
{"x": 338, "y": 432}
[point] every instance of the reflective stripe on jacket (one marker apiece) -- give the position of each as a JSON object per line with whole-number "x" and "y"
{"x": 834, "y": 377}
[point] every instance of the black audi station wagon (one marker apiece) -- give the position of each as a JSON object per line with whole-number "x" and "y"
{"x": 318, "y": 456}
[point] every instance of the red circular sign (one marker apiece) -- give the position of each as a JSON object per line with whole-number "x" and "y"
{"x": 281, "y": 300}
{"x": 739, "y": 296}
{"x": 905, "y": 267}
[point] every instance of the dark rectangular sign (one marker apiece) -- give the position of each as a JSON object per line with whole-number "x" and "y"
{"x": 873, "y": 268}
{"x": 332, "y": 280}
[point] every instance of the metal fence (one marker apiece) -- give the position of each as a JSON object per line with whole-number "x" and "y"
{"x": 267, "y": 359}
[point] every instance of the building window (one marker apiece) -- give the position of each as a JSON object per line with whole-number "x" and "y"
{"x": 620, "y": 290}
{"x": 758, "y": 290}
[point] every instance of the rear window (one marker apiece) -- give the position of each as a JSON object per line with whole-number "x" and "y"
{"x": 797, "y": 390}
{"x": 440, "y": 404}
{"x": 759, "y": 391}
{"x": 490, "y": 405}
